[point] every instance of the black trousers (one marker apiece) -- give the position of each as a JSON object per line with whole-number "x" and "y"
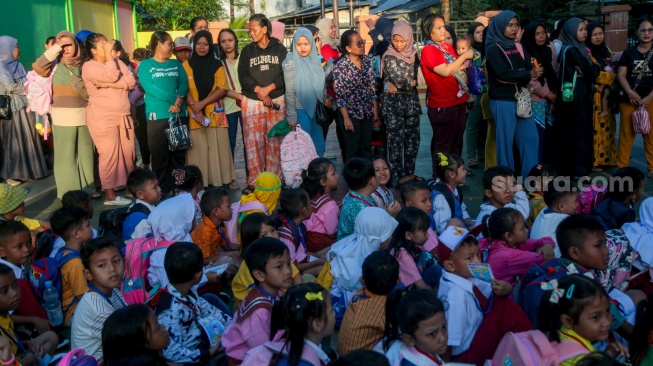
{"x": 357, "y": 143}
{"x": 141, "y": 134}
{"x": 164, "y": 160}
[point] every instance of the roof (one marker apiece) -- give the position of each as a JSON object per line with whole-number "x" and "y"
{"x": 328, "y": 6}
{"x": 398, "y": 7}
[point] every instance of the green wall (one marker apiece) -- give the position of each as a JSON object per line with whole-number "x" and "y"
{"x": 31, "y": 22}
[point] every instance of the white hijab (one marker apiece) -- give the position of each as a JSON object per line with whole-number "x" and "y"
{"x": 640, "y": 234}
{"x": 172, "y": 220}
{"x": 373, "y": 226}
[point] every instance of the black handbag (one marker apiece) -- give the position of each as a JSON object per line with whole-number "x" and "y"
{"x": 5, "y": 107}
{"x": 325, "y": 115}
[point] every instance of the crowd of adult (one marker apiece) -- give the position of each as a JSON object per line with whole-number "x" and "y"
{"x": 102, "y": 102}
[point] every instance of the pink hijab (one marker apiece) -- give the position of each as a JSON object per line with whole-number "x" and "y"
{"x": 405, "y": 31}
{"x": 278, "y": 30}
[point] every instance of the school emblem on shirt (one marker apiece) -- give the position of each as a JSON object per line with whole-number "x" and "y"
{"x": 507, "y": 361}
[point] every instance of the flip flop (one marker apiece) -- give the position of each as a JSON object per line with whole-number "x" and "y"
{"x": 233, "y": 185}
{"x": 247, "y": 190}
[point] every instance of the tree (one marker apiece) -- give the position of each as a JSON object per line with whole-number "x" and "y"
{"x": 469, "y": 9}
{"x": 445, "y": 5}
{"x": 176, "y": 14}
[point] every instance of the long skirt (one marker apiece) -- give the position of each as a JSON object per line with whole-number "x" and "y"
{"x": 211, "y": 152}
{"x": 22, "y": 155}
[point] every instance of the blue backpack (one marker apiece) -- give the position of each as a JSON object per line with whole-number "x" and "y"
{"x": 49, "y": 269}
{"x": 531, "y": 292}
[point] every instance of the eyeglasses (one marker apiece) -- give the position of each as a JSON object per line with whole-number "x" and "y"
{"x": 513, "y": 25}
{"x": 360, "y": 44}
{"x": 646, "y": 30}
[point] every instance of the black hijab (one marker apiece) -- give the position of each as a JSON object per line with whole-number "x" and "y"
{"x": 600, "y": 52}
{"x": 543, "y": 54}
{"x": 204, "y": 67}
{"x": 453, "y": 35}
{"x": 470, "y": 33}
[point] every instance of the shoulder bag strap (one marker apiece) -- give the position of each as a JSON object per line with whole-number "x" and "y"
{"x": 226, "y": 68}
{"x": 646, "y": 61}
{"x": 510, "y": 62}
{"x": 562, "y": 78}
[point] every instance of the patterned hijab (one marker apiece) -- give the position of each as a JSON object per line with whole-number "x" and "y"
{"x": 76, "y": 59}
{"x": 324, "y": 25}
{"x": 309, "y": 74}
{"x": 10, "y": 68}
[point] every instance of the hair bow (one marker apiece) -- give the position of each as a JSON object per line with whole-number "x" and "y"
{"x": 179, "y": 175}
{"x": 444, "y": 161}
{"x": 557, "y": 291}
{"x": 573, "y": 270}
{"x": 312, "y": 296}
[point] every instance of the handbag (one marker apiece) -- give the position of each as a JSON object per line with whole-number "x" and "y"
{"x": 233, "y": 86}
{"x": 523, "y": 95}
{"x": 77, "y": 83}
{"x": 325, "y": 115}
{"x": 177, "y": 134}
{"x": 641, "y": 121}
{"x": 5, "y": 107}
{"x": 567, "y": 88}
{"x": 478, "y": 84}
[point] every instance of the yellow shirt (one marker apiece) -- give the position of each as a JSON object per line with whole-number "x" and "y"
{"x": 73, "y": 286}
{"x": 217, "y": 119}
{"x": 8, "y": 333}
{"x": 244, "y": 281}
{"x": 30, "y": 223}
{"x": 567, "y": 334}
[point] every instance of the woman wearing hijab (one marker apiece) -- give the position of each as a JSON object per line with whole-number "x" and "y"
{"x": 447, "y": 111}
{"x": 476, "y": 129}
{"x": 73, "y": 146}
{"x": 536, "y": 44}
{"x": 22, "y": 156}
{"x": 450, "y": 36}
{"x": 571, "y": 143}
{"x": 209, "y": 127}
{"x": 400, "y": 102}
{"x": 605, "y": 124}
{"x": 509, "y": 69}
{"x": 304, "y": 79}
{"x": 381, "y": 34}
{"x": 108, "y": 115}
{"x": 328, "y": 35}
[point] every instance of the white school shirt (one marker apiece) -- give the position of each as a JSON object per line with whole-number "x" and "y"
{"x": 545, "y": 225}
{"x": 519, "y": 203}
{"x": 463, "y": 314}
{"x": 143, "y": 228}
{"x": 156, "y": 274}
{"x": 442, "y": 213}
{"x": 18, "y": 271}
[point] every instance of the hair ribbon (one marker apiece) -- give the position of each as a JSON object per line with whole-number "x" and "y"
{"x": 444, "y": 161}
{"x": 312, "y": 296}
{"x": 557, "y": 291}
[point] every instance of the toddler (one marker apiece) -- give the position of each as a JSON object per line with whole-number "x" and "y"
{"x": 463, "y": 44}
{"x": 319, "y": 180}
{"x": 509, "y": 251}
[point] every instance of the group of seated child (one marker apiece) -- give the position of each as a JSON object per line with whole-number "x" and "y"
{"x": 420, "y": 285}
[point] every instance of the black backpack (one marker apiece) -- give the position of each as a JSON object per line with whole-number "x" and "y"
{"x": 110, "y": 224}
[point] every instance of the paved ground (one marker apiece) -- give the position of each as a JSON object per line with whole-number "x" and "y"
{"x": 42, "y": 199}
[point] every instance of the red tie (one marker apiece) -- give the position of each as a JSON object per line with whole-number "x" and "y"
{"x": 482, "y": 300}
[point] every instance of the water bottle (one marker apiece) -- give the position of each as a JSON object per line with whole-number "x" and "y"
{"x": 52, "y": 304}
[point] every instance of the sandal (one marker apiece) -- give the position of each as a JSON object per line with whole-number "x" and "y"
{"x": 248, "y": 190}
{"x": 96, "y": 195}
{"x": 233, "y": 185}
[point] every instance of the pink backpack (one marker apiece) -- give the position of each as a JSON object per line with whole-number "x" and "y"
{"x": 297, "y": 151}
{"x": 533, "y": 348}
{"x": 135, "y": 287}
{"x": 77, "y": 357}
{"x": 38, "y": 90}
{"x": 237, "y": 217}
{"x": 589, "y": 197}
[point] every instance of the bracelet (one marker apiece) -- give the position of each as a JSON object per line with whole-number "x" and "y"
{"x": 11, "y": 361}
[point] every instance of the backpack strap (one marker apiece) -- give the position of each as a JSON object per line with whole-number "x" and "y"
{"x": 442, "y": 189}
{"x": 160, "y": 301}
{"x": 138, "y": 207}
{"x": 63, "y": 259}
{"x": 253, "y": 205}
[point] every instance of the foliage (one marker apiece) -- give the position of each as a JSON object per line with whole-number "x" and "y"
{"x": 176, "y": 14}
{"x": 238, "y": 25}
{"x": 547, "y": 9}
{"x": 468, "y": 9}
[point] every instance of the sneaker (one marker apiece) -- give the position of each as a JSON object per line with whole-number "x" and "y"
{"x": 119, "y": 201}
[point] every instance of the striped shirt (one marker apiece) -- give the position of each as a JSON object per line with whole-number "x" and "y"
{"x": 91, "y": 312}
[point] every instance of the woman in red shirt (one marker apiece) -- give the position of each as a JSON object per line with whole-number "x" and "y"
{"x": 447, "y": 108}
{"x": 328, "y": 34}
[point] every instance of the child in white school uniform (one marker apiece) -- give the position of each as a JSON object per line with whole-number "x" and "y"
{"x": 478, "y": 314}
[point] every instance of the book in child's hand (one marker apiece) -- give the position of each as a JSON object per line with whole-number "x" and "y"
{"x": 482, "y": 271}
{"x": 219, "y": 269}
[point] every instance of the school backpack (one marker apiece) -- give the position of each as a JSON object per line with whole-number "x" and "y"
{"x": 110, "y": 225}
{"x": 589, "y": 197}
{"x": 297, "y": 151}
{"x": 38, "y": 91}
{"x": 437, "y": 189}
{"x": 49, "y": 269}
{"x": 77, "y": 357}
{"x": 238, "y": 215}
{"x": 531, "y": 292}
{"x": 135, "y": 287}
{"x": 44, "y": 244}
{"x": 533, "y": 348}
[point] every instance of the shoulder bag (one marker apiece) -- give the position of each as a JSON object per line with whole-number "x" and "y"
{"x": 567, "y": 88}
{"x": 177, "y": 134}
{"x": 523, "y": 95}
{"x": 77, "y": 83}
